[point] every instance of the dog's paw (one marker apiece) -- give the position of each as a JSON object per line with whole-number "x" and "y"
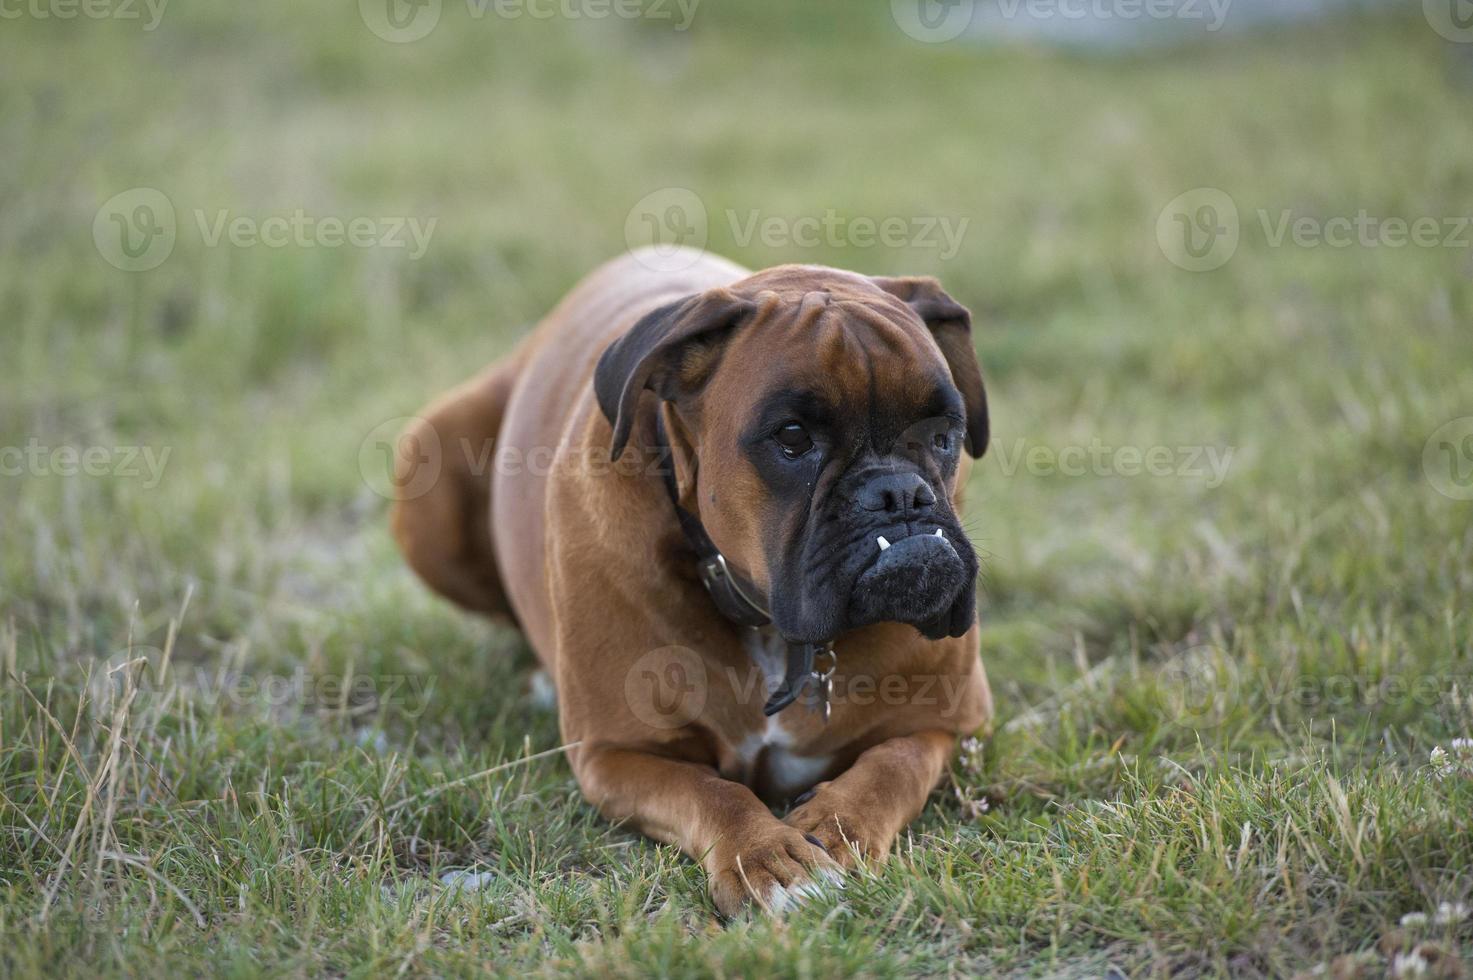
{"x": 846, "y": 836}
{"x": 772, "y": 870}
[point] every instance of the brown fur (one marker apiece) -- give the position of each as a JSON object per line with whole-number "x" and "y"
{"x": 593, "y": 566}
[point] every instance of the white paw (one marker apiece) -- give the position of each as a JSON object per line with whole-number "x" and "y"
{"x": 782, "y": 899}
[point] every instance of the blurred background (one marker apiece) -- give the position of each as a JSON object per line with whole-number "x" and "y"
{"x": 1220, "y": 261}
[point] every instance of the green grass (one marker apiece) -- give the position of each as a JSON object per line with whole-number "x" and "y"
{"x": 1216, "y": 702}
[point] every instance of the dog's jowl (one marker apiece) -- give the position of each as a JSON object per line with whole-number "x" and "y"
{"x": 740, "y": 558}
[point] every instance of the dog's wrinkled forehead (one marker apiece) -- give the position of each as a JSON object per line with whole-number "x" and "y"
{"x": 844, "y": 349}
{"x": 856, "y": 343}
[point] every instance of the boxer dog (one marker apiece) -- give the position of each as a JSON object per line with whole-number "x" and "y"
{"x": 722, "y": 507}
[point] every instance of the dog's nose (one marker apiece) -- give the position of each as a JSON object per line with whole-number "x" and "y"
{"x": 897, "y": 494}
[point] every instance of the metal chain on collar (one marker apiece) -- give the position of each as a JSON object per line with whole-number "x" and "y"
{"x": 825, "y": 677}
{"x": 739, "y": 601}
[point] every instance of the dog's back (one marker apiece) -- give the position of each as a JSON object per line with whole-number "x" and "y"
{"x": 472, "y": 469}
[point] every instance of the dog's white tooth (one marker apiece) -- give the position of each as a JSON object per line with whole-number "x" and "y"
{"x": 882, "y": 542}
{"x": 939, "y": 534}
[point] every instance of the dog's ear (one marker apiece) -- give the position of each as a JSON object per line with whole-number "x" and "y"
{"x": 951, "y": 325}
{"x": 671, "y": 350}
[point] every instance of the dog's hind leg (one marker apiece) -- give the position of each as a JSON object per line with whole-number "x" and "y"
{"x": 442, "y": 476}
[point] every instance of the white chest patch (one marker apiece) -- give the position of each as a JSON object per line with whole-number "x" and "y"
{"x": 768, "y": 651}
{"x": 788, "y": 771}
{"x": 791, "y": 773}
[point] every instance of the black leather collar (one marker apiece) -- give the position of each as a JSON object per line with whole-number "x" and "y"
{"x": 741, "y": 602}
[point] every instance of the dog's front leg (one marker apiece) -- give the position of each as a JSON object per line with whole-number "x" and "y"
{"x": 749, "y": 855}
{"x": 862, "y": 811}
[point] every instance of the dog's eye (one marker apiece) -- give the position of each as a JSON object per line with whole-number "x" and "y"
{"x": 794, "y": 439}
{"x": 942, "y": 441}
